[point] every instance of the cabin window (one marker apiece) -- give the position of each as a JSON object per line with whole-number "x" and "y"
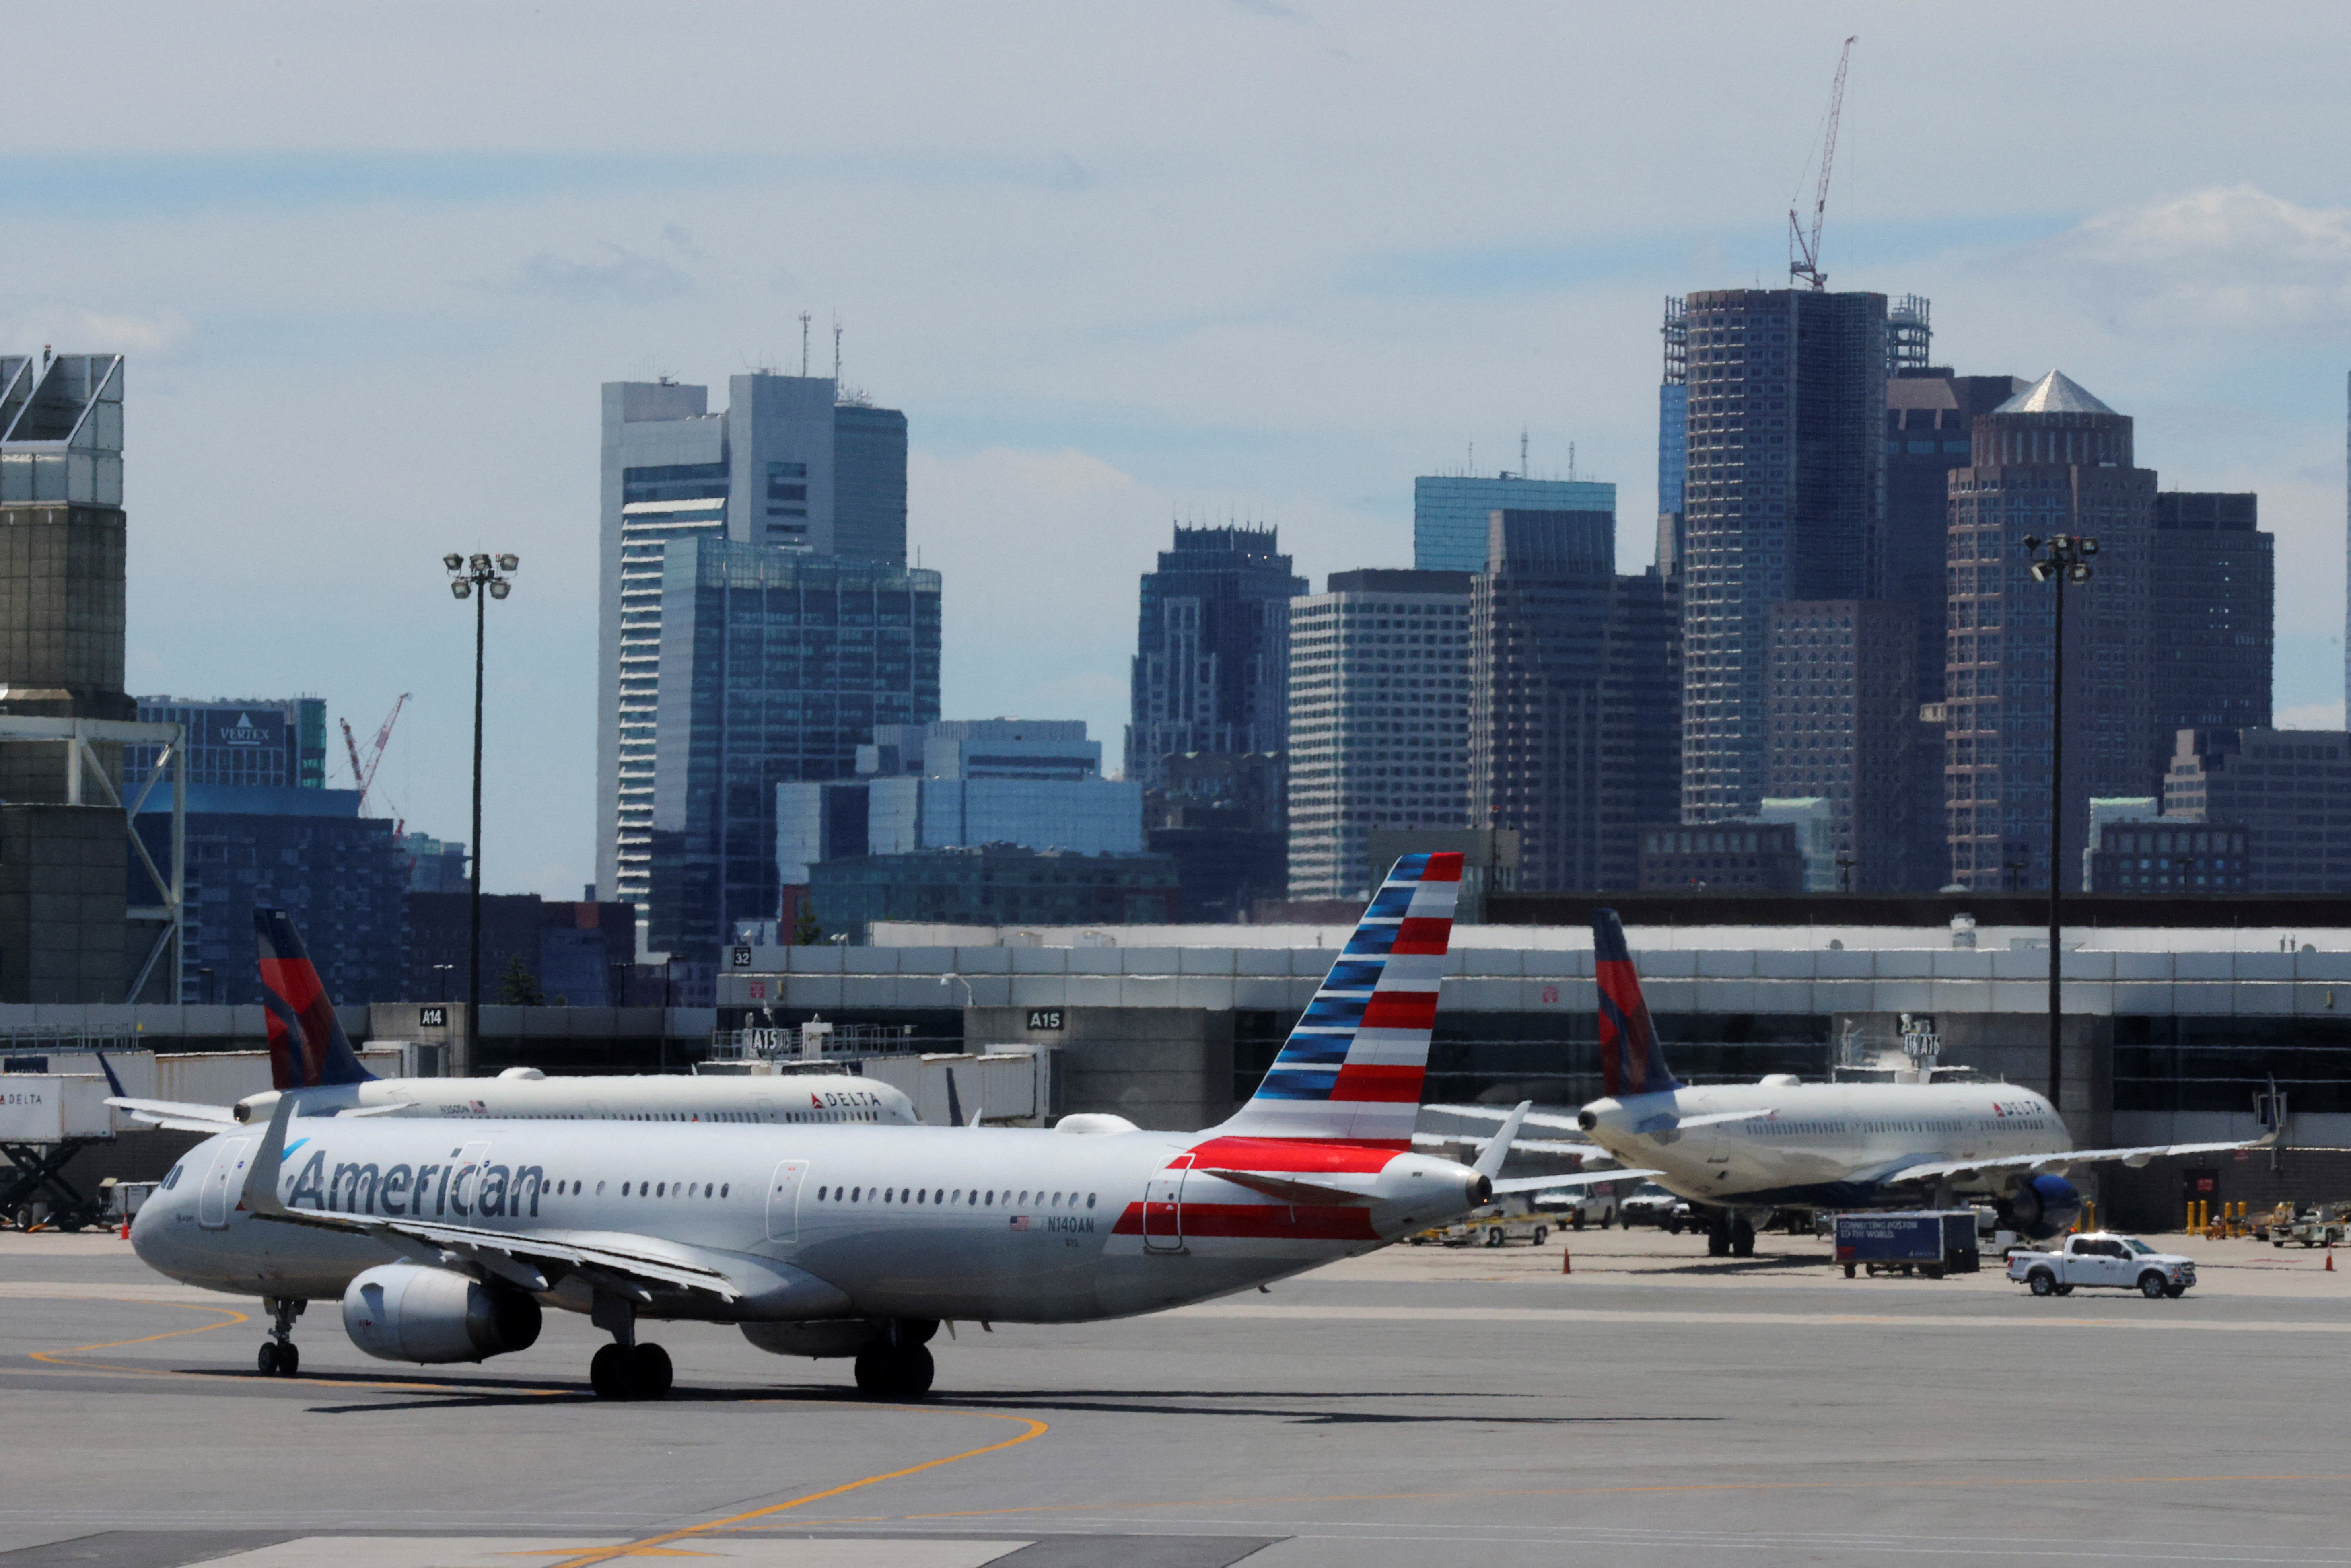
{"x": 853, "y": 1193}
{"x": 624, "y": 1190}
{"x": 723, "y": 1188}
{"x": 1057, "y": 1200}
{"x": 662, "y": 1191}
{"x": 991, "y": 1199}
{"x": 1090, "y": 1200}
{"x": 886, "y": 1193}
{"x": 922, "y": 1197}
{"x": 600, "y": 1190}
{"x": 820, "y": 1195}
{"x": 1024, "y": 1194}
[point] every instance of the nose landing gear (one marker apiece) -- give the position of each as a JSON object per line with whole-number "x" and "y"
{"x": 279, "y": 1356}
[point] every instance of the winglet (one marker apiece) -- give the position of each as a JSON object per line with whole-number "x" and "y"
{"x": 1489, "y": 1164}
{"x": 954, "y": 1104}
{"x": 107, "y": 1067}
{"x": 260, "y": 1195}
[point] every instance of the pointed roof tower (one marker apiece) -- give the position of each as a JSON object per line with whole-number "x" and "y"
{"x": 2055, "y": 392}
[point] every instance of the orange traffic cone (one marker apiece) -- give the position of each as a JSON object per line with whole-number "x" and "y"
{"x": 126, "y": 1227}
{"x": 1567, "y": 1262}
{"x": 2330, "y": 1259}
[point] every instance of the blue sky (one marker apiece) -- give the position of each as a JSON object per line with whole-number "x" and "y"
{"x": 1120, "y": 265}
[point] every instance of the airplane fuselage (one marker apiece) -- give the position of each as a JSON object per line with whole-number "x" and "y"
{"x": 788, "y": 1098}
{"x": 1822, "y": 1144}
{"x": 811, "y": 1222}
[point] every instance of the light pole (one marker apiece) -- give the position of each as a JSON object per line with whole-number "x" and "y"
{"x": 2060, "y": 559}
{"x": 481, "y": 579}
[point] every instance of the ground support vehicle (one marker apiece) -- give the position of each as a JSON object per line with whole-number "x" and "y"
{"x": 2311, "y": 1227}
{"x": 1648, "y": 1204}
{"x": 1493, "y": 1225}
{"x": 2106, "y": 1259}
{"x": 1931, "y": 1242}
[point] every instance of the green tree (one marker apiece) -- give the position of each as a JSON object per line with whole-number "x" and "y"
{"x": 807, "y": 933}
{"x": 518, "y": 988}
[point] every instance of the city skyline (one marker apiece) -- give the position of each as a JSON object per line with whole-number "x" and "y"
{"x": 421, "y": 325}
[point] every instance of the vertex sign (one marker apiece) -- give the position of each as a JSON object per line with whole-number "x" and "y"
{"x": 243, "y": 732}
{"x": 240, "y": 731}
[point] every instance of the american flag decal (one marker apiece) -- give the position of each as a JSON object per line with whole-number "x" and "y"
{"x": 1019, "y": 1222}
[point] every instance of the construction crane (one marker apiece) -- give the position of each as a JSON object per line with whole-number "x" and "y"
{"x": 1804, "y": 247}
{"x": 363, "y": 773}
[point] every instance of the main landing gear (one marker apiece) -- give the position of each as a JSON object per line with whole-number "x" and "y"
{"x": 1729, "y": 1235}
{"x": 896, "y": 1365}
{"x": 279, "y": 1356}
{"x": 631, "y": 1372}
{"x": 626, "y": 1369}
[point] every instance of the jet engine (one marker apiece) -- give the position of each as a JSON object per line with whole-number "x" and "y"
{"x": 404, "y": 1311}
{"x": 2042, "y": 1207}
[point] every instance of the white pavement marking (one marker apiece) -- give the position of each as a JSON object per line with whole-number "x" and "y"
{"x": 520, "y": 1552}
{"x": 2155, "y": 1318}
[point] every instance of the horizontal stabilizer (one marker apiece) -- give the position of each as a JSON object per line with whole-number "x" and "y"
{"x": 1287, "y": 1188}
{"x": 178, "y": 1110}
{"x": 1519, "y": 1145}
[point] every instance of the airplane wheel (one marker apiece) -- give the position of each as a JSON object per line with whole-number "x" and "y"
{"x": 608, "y": 1373}
{"x": 266, "y": 1360}
{"x": 650, "y": 1374}
{"x": 1742, "y": 1240}
{"x": 903, "y": 1373}
{"x": 290, "y": 1359}
{"x": 1718, "y": 1244}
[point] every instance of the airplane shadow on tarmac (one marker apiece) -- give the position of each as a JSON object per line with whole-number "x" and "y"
{"x": 485, "y": 1394}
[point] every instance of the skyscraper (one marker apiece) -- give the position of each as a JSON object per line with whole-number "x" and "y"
{"x": 1449, "y": 512}
{"x": 788, "y": 466}
{"x": 2051, "y": 459}
{"x": 1211, "y": 664}
{"x": 1784, "y": 486}
{"x": 2214, "y": 592}
{"x": 776, "y": 667}
{"x": 1379, "y": 713}
{"x": 1573, "y": 694}
{"x": 1845, "y": 722}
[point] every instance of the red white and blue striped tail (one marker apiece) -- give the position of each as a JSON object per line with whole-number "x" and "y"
{"x": 1351, "y": 1069}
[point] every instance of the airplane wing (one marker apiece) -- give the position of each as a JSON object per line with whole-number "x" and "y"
{"x": 1537, "y": 1145}
{"x": 2055, "y": 1163}
{"x": 1489, "y": 1114}
{"x": 531, "y": 1262}
{"x": 1671, "y": 1124}
{"x": 178, "y": 1116}
{"x": 1561, "y": 1183}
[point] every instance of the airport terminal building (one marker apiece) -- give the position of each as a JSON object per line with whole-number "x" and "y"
{"x": 2168, "y": 1031}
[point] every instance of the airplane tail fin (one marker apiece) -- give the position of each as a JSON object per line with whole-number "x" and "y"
{"x": 1630, "y": 1059}
{"x": 1352, "y": 1068}
{"x": 308, "y": 1048}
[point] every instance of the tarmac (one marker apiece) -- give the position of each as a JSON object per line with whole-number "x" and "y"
{"x": 1421, "y": 1405}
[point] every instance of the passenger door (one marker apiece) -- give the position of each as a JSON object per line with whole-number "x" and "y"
{"x": 1163, "y": 1208}
{"x": 783, "y": 1200}
{"x": 217, "y": 1200}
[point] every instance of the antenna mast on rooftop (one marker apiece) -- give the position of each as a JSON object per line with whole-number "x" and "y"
{"x": 836, "y": 346}
{"x": 1804, "y": 248}
{"x": 804, "y": 326}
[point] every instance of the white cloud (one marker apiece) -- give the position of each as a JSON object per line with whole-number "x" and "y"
{"x": 624, "y": 277}
{"x": 2230, "y": 259}
{"x": 2312, "y": 715}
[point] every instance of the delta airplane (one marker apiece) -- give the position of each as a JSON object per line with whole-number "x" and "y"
{"x": 1743, "y": 1150}
{"x": 444, "y": 1240}
{"x": 311, "y": 1058}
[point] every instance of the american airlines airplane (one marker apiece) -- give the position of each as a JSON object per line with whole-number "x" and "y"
{"x": 1744, "y": 1150}
{"x": 444, "y": 1240}
{"x": 311, "y": 1058}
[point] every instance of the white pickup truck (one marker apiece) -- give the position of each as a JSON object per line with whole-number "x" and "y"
{"x": 2104, "y": 1258}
